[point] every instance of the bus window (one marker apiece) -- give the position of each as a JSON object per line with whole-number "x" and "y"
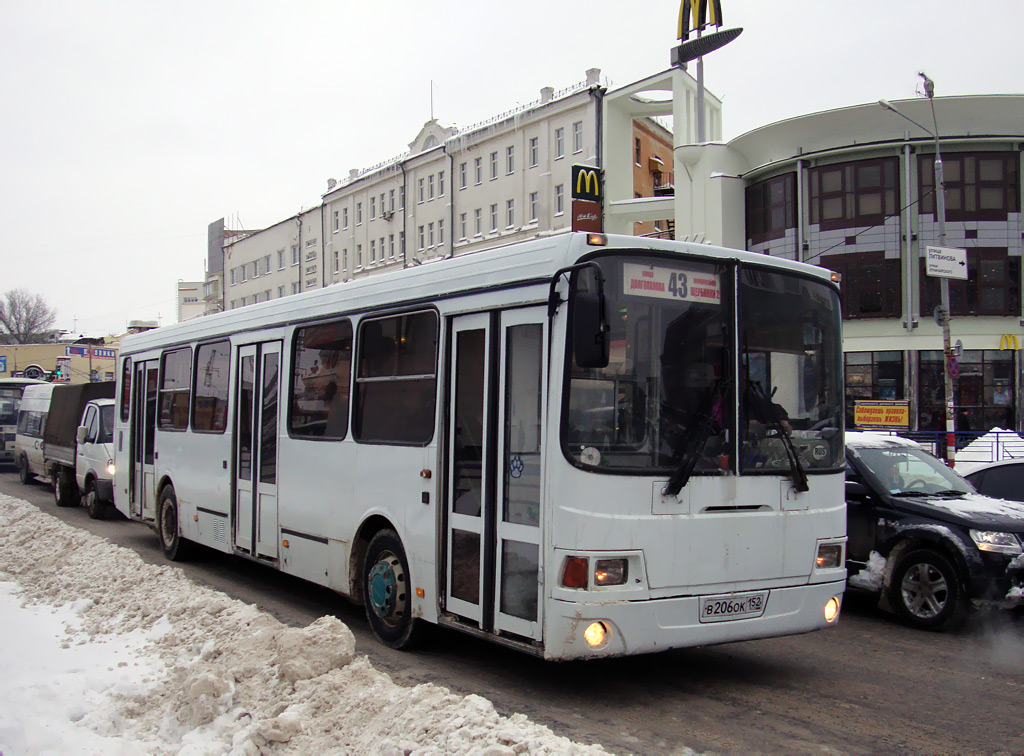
{"x": 175, "y": 390}
{"x": 321, "y": 374}
{"x": 396, "y": 385}
{"x": 210, "y": 412}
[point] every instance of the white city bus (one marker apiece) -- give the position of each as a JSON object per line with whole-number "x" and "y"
{"x": 580, "y": 446}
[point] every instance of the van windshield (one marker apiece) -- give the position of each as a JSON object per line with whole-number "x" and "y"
{"x": 10, "y": 400}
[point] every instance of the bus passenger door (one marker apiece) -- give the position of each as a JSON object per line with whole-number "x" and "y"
{"x": 143, "y": 440}
{"x": 495, "y": 380}
{"x": 521, "y": 378}
{"x": 468, "y": 386}
{"x": 255, "y": 511}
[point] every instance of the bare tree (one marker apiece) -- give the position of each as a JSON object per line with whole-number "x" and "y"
{"x": 25, "y": 316}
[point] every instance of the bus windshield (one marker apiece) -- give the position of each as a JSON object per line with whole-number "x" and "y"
{"x": 674, "y": 388}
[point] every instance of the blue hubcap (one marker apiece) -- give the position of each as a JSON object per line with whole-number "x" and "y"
{"x": 383, "y": 587}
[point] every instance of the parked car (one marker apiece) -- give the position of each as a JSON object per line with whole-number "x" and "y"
{"x": 1000, "y": 480}
{"x": 923, "y": 538}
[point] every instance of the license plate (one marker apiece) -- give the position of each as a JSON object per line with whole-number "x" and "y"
{"x": 732, "y": 606}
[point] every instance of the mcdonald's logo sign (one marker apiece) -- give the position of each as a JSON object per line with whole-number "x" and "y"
{"x": 586, "y": 183}
{"x": 695, "y": 15}
{"x": 1009, "y": 341}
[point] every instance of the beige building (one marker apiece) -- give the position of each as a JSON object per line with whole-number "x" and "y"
{"x": 78, "y": 362}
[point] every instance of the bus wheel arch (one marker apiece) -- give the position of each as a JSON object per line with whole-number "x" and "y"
{"x": 386, "y": 588}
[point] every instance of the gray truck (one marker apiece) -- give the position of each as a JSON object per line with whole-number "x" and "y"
{"x": 78, "y": 449}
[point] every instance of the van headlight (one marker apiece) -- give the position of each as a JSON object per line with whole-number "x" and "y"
{"x": 996, "y": 542}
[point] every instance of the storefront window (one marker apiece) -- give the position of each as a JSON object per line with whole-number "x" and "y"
{"x": 872, "y": 375}
{"x": 984, "y": 392}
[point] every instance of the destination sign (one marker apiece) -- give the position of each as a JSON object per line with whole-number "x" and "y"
{"x": 680, "y": 284}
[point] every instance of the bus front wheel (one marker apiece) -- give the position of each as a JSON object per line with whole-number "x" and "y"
{"x": 388, "y": 593}
{"x": 174, "y": 546}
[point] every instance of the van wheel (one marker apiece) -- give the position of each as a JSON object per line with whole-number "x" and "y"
{"x": 388, "y": 588}
{"x": 24, "y": 475}
{"x": 926, "y": 591}
{"x": 174, "y": 546}
{"x": 97, "y": 509}
{"x": 63, "y": 488}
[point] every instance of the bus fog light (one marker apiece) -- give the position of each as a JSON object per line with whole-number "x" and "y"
{"x": 574, "y": 574}
{"x": 829, "y": 555}
{"x": 610, "y": 571}
{"x": 832, "y": 609}
{"x": 596, "y": 634}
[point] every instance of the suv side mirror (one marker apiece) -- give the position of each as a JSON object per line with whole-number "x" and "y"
{"x": 857, "y": 490}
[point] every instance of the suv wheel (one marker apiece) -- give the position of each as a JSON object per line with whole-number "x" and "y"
{"x": 926, "y": 591}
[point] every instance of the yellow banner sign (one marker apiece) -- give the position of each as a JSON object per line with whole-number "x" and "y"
{"x": 882, "y": 415}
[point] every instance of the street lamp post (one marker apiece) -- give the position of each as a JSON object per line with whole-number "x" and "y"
{"x": 940, "y": 213}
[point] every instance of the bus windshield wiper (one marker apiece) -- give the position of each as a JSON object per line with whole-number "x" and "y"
{"x": 775, "y": 421}
{"x": 692, "y": 445}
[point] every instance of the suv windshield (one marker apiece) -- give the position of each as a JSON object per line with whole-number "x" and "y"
{"x": 907, "y": 469}
{"x": 670, "y": 391}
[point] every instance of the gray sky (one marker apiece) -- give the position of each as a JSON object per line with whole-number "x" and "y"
{"x": 129, "y": 126}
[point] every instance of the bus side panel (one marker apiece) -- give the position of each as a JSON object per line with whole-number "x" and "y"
{"x": 315, "y": 504}
{"x": 207, "y": 458}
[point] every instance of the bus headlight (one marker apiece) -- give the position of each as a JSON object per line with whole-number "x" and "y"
{"x": 830, "y": 555}
{"x": 610, "y": 571}
{"x": 596, "y": 634}
{"x": 111, "y": 469}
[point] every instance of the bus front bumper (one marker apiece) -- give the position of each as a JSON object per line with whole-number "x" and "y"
{"x": 639, "y": 627}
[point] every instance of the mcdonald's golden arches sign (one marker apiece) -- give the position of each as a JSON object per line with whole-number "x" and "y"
{"x": 697, "y": 14}
{"x": 586, "y": 183}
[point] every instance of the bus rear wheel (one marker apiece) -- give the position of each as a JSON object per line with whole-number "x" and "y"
{"x": 388, "y": 593}
{"x": 173, "y": 545}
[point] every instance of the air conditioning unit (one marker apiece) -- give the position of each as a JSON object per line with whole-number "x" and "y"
{"x": 386, "y": 215}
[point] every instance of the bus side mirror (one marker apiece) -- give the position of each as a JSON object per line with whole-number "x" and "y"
{"x": 856, "y": 490}
{"x": 589, "y": 330}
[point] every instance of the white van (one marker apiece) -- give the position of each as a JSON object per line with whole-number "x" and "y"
{"x": 28, "y": 443}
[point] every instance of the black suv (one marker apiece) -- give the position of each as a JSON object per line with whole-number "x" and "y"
{"x": 922, "y": 537}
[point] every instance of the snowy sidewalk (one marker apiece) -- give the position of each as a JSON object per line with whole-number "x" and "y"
{"x": 103, "y": 653}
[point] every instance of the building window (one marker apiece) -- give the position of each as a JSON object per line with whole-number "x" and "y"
{"x": 985, "y": 391}
{"x": 373, "y": 251}
{"x": 280, "y": 259}
{"x": 510, "y": 213}
{"x": 234, "y": 271}
{"x": 280, "y": 292}
{"x": 533, "y": 207}
{"x": 359, "y": 256}
{"x": 494, "y": 217}
{"x": 872, "y": 284}
{"x": 391, "y": 200}
{"x": 478, "y": 222}
{"x": 559, "y": 143}
{"x": 872, "y": 375}
{"x": 992, "y": 286}
{"x": 321, "y": 370}
{"x": 419, "y": 231}
{"x": 983, "y": 186}
{"x": 266, "y": 265}
{"x": 344, "y": 217}
{"x": 430, "y": 235}
{"x": 534, "y": 152}
{"x": 373, "y": 208}
{"x": 510, "y": 160}
{"x": 771, "y": 208}
{"x": 636, "y": 151}
{"x": 359, "y": 213}
{"x": 401, "y": 197}
{"x": 440, "y": 232}
{"x": 419, "y": 190}
{"x": 336, "y": 257}
{"x": 494, "y": 165}
{"x": 462, "y": 175}
{"x": 478, "y": 170}
{"x": 462, "y": 225}
{"x": 862, "y": 193}
{"x": 440, "y": 183}
{"x": 295, "y": 288}
{"x": 430, "y": 186}
{"x": 396, "y": 381}
{"x": 391, "y": 246}
{"x": 559, "y": 199}
{"x": 577, "y": 136}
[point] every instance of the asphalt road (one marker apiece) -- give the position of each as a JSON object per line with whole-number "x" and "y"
{"x": 869, "y": 685}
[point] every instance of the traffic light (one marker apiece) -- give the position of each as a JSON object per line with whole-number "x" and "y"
{"x": 59, "y": 372}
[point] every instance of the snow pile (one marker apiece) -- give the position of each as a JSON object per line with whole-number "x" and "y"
{"x": 995, "y": 445}
{"x": 872, "y": 577}
{"x": 221, "y": 677}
